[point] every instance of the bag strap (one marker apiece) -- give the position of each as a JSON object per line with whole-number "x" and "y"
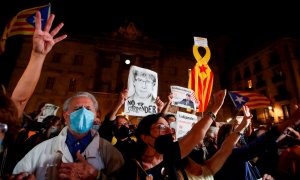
{"x": 140, "y": 166}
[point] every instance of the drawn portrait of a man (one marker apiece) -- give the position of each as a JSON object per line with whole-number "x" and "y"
{"x": 142, "y": 92}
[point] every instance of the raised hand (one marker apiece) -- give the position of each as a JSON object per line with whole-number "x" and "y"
{"x": 170, "y": 97}
{"x": 247, "y": 113}
{"x": 293, "y": 133}
{"x": 123, "y": 96}
{"x": 219, "y": 97}
{"x": 43, "y": 40}
{"x": 246, "y": 119}
{"x": 160, "y": 105}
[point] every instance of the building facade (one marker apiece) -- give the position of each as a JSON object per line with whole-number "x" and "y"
{"x": 273, "y": 71}
{"x": 97, "y": 65}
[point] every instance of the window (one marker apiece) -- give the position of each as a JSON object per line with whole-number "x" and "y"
{"x": 105, "y": 87}
{"x": 238, "y": 76}
{"x": 277, "y": 72}
{"x": 78, "y": 60}
{"x": 274, "y": 59}
{"x": 297, "y": 53}
{"x": 266, "y": 113}
{"x": 260, "y": 82}
{"x": 287, "y": 52}
{"x": 50, "y": 82}
{"x": 278, "y": 75}
{"x": 283, "y": 93}
{"x": 257, "y": 67}
{"x": 286, "y": 111}
{"x": 57, "y": 57}
{"x": 263, "y": 92}
{"x": 247, "y": 72}
{"x": 105, "y": 60}
{"x": 72, "y": 85}
{"x": 249, "y": 84}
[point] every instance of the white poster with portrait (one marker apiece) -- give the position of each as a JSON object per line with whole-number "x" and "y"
{"x": 184, "y": 123}
{"x": 47, "y": 110}
{"x": 142, "y": 92}
{"x": 183, "y": 97}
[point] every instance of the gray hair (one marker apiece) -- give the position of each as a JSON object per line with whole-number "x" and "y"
{"x": 80, "y": 94}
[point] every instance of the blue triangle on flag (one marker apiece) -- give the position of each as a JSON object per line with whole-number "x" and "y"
{"x": 44, "y": 16}
{"x": 238, "y": 100}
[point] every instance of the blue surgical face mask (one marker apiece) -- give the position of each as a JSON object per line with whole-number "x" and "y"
{"x": 81, "y": 121}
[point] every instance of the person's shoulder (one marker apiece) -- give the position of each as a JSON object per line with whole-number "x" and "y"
{"x": 43, "y": 146}
{"x": 104, "y": 142}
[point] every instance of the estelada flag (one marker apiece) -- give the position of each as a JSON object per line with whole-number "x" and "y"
{"x": 201, "y": 76}
{"x": 24, "y": 23}
{"x": 238, "y": 100}
{"x": 253, "y": 100}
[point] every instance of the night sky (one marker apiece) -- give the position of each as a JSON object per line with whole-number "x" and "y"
{"x": 245, "y": 25}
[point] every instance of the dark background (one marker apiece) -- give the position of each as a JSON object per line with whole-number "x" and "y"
{"x": 244, "y": 26}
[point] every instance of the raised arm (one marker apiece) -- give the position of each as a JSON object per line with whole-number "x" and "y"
{"x": 217, "y": 160}
{"x": 198, "y": 131}
{"x": 122, "y": 97}
{"x": 167, "y": 104}
{"x": 43, "y": 41}
{"x": 160, "y": 105}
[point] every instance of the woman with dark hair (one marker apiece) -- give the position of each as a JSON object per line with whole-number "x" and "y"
{"x": 158, "y": 156}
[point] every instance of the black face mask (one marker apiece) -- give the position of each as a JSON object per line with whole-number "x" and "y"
{"x": 122, "y": 132}
{"x": 199, "y": 156}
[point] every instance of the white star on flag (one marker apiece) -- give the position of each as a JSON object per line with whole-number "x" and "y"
{"x": 239, "y": 99}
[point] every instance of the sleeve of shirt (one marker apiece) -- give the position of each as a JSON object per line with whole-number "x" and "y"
{"x": 29, "y": 162}
{"x": 112, "y": 158}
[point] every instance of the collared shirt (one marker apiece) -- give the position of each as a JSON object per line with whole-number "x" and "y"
{"x": 77, "y": 144}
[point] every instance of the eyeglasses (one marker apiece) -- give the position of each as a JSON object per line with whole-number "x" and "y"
{"x": 143, "y": 81}
{"x": 161, "y": 127}
{"x": 124, "y": 124}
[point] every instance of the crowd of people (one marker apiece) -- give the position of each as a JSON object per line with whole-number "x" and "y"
{"x": 76, "y": 146}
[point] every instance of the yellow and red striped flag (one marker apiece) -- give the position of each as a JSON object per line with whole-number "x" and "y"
{"x": 255, "y": 100}
{"x": 24, "y": 23}
{"x": 201, "y": 76}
